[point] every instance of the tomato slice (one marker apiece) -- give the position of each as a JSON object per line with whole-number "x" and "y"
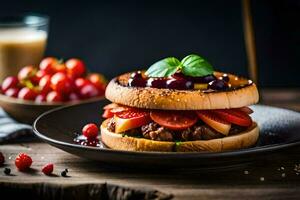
{"x": 131, "y": 118}
{"x": 113, "y": 108}
{"x": 119, "y": 109}
{"x": 110, "y": 106}
{"x": 246, "y": 110}
{"x": 214, "y": 121}
{"x": 234, "y": 116}
{"x": 174, "y": 120}
{"x": 107, "y": 114}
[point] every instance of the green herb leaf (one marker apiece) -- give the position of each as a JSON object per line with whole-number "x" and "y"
{"x": 163, "y": 68}
{"x": 194, "y": 65}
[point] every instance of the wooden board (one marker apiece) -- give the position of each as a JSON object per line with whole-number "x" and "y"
{"x": 260, "y": 181}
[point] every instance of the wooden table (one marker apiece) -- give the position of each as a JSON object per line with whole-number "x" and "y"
{"x": 279, "y": 179}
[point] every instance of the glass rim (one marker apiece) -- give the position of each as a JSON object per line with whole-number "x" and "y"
{"x": 25, "y": 20}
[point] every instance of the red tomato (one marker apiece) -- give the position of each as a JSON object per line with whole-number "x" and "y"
{"x": 107, "y": 114}
{"x": 90, "y": 131}
{"x": 61, "y": 83}
{"x": 26, "y": 73}
{"x": 175, "y": 120}
{"x": 38, "y": 76}
{"x": 110, "y": 106}
{"x": 27, "y": 94}
{"x": 234, "y": 116}
{"x": 130, "y": 119}
{"x": 113, "y": 108}
{"x": 54, "y": 97}
{"x": 74, "y": 97}
{"x": 48, "y": 65}
{"x": 60, "y": 67}
{"x": 99, "y": 81}
{"x": 97, "y": 78}
{"x": 12, "y": 92}
{"x": 40, "y": 98}
{"x": 45, "y": 84}
{"x": 9, "y": 82}
{"x": 119, "y": 109}
{"x": 88, "y": 91}
{"x": 75, "y": 68}
{"x": 246, "y": 110}
{"x": 210, "y": 118}
{"x": 80, "y": 82}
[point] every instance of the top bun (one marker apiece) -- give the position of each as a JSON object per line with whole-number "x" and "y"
{"x": 172, "y": 99}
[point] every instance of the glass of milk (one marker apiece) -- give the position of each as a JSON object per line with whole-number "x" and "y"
{"x": 22, "y": 42}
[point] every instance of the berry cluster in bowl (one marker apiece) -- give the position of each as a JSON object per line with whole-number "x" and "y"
{"x": 54, "y": 81}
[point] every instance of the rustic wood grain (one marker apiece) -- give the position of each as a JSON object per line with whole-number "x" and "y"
{"x": 183, "y": 184}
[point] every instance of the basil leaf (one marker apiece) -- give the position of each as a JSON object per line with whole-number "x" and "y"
{"x": 163, "y": 68}
{"x": 194, "y": 65}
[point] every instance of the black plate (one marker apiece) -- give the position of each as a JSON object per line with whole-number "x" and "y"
{"x": 280, "y": 129}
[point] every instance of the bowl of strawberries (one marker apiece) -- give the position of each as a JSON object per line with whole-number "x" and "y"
{"x": 52, "y": 84}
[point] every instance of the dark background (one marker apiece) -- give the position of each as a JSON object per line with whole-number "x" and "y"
{"x": 116, "y": 36}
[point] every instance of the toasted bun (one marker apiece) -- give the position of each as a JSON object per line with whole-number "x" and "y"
{"x": 242, "y": 140}
{"x": 167, "y": 99}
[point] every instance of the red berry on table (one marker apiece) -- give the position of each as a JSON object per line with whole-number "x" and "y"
{"x": 75, "y": 68}
{"x": 54, "y": 96}
{"x": 23, "y": 162}
{"x": 27, "y": 94}
{"x": 9, "y": 82}
{"x": 48, "y": 65}
{"x": 61, "y": 83}
{"x": 89, "y": 91}
{"x": 12, "y": 92}
{"x": 41, "y": 98}
{"x": 2, "y": 159}
{"x": 45, "y": 84}
{"x": 48, "y": 169}
{"x": 26, "y": 73}
{"x": 90, "y": 131}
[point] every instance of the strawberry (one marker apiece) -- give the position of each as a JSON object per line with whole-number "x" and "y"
{"x": 48, "y": 169}
{"x": 23, "y": 162}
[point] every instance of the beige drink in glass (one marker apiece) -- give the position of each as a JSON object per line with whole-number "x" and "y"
{"x": 22, "y": 42}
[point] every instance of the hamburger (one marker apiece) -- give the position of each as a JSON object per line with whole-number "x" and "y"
{"x": 180, "y": 106}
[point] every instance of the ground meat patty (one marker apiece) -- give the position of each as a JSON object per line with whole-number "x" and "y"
{"x": 199, "y": 132}
{"x": 111, "y": 125}
{"x": 155, "y": 132}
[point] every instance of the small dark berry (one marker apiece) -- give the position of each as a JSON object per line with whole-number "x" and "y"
{"x": 224, "y": 77}
{"x": 7, "y": 171}
{"x": 218, "y": 85}
{"x": 67, "y": 170}
{"x": 63, "y": 174}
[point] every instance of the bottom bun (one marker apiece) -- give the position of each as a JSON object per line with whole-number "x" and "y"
{"x": 242, "y": 140}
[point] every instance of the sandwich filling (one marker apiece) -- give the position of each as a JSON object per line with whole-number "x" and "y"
{"x": 170, "y": 125}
